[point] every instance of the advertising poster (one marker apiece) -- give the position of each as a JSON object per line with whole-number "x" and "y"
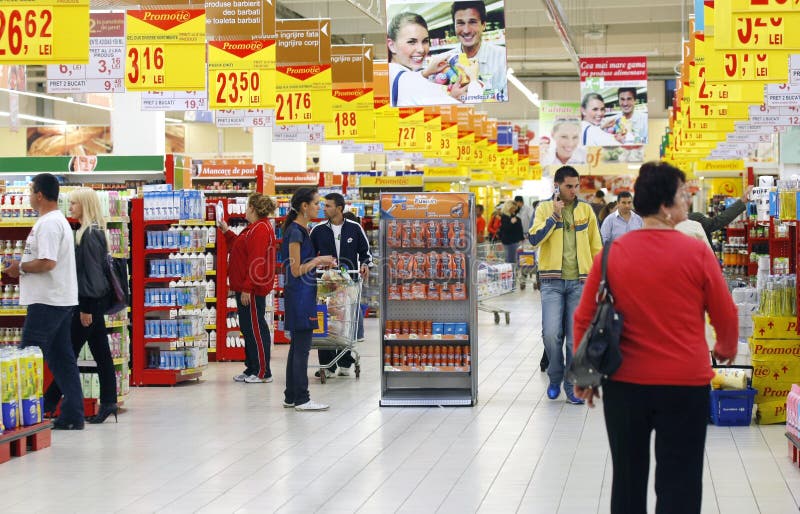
{"x": 460, "y": 58}
{"x": 614, "y": 108}
{"x": 560, "y": 134}
{"x": 68, "y": 140}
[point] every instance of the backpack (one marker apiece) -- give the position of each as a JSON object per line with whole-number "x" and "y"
{"x": 116, "y": 270}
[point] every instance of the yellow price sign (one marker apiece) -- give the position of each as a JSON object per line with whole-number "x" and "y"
{"x": 304, "y": 80}
{"x": 40, "y": 32}
{"x": 433, "y": 132}
{"x": 241, "y": 74}
{"x": 448, "y": 144}
{"x": 352, "y": 105}
{"x": 481, "y": 154}
{"x": 466, "y": 141}
{"x": 163, "y": 49}
{"x": 742, "y": 65}
{"x": 738, "y": 111}
{"x": 410, "y": 129}
{"x": 386, "y": 117}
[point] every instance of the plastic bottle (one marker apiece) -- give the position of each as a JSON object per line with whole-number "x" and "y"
{"x": 15, "y": 297}
{"x": 18, "y": 251}
{"x": 209, "y": 261}
{"x": 387, "y": 355}
{"x": 211, "y": 289}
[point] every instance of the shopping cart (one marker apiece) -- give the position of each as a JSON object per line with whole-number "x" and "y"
{"x": 495, "y": 278}
{"x": 339, "y": 301}
{"x": 526, "y": 267}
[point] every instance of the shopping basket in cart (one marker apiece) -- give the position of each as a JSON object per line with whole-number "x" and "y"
{"x": 339, "y": 291}
{"x": 526, "y": 266}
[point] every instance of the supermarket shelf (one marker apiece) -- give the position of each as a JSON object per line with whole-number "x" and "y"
{"x": 158, "y": 280}
{"x": 425, "y": 338}
{"x": 117, "y": 324}
{"x": 17, "y": 222}
{"x": 212, "y": 350}
{"x": 160, "y": 251}
{"x": 227, "y": 191}
{"x": 426, "y": 397}
{"x": 426, "y": 369}
{"x": 13, "y": 312}
{"x": 211, "y": 327}
{"x": 152, "y": 376}
{"x": 118, "y": 219}
{"x": 120, "y": 255}
{"x": 211, "y": 246}
{"x": 186, "y": 223}
{"x": 211, "y": 300}
{"x": 167, "y": 308}
{"x": 211, "y": 273}
{"x": 91, "y": 363}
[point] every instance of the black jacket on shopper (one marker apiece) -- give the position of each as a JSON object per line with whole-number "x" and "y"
{"x": 721, "y": 220}
{"x": 90, "y": 261}
{"x": 353, "y": 247}
{"x": 509, "y": 232}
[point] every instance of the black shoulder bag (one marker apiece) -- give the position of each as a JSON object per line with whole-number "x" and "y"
{"x": 598, "y": 355}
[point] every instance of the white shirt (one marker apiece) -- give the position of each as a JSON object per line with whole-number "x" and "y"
{"x": 337, "y": 237}
{"x": 693, "y": 229}
{"x": 413, "y": 89}
{"x": 577, "y": 157}
{"x": 638, "y": 128}
{"x": 525, "y": 215}
{"x": 592, "y": 135}
{"x": 50, "y": 238}
{"x": 492, "y": 70}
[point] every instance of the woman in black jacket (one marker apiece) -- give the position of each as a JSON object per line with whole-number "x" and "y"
{"x": 88, "y": 322}
{"x": 510, "y": 232}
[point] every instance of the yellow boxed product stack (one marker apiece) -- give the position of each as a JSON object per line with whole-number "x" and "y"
{"x": 775, "y": 349}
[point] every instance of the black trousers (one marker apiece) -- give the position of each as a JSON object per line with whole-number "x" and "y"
{"x": 679, "y": 417}
{"x": 96, "y": 335}
{"x": 297, "y": 367}
{"x": 257, "y": 341}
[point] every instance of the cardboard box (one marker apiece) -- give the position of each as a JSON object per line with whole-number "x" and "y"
{"x": 777, "y": 369}
{"x": 774, "y": 349}
{"x": 775, "y": 327}
{"x": 770, "y": 390}
{"x": 771, "y": 412}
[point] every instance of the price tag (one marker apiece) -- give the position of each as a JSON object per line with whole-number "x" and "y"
{"x": 707, "y": 91}
{"x": 308, "y": 133}
{"x": 523, "y": 167}
{"x": 352, "y": 105}
{"x": 174, "y": 101}
{"x": 410, "y": 128}
{"x": 241, "y": 74}
{"x": 736, "y": 111}
{"x": 480, "y": 152}
{"x": 44, "y": 31}
{"x": 353, "y": 147}
{"x": 105, "y": 72}
{"x": 448, "y": 145}
{"x": 164, "y": 49}
{"x": 248, "y": 118}
{"x": 764, "y": 5}
{"x": 730, "y": 65}
{"x": 466, "y": 140}
{"x": 432, "y": 135}
{"x": 303, "y": 83}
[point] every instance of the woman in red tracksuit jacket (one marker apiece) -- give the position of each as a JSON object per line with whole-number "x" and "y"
{"x": 251, "y": 273}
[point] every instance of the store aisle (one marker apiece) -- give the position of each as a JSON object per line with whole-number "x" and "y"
{"x": 219, "y": 446}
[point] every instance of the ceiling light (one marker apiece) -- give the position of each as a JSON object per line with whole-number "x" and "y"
{"x": 37, "y": 119}
{"x": 56, "y": 99}
{"x": 530, "y": 95}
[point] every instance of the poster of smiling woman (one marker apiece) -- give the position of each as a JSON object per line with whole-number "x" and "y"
{"x": 614, "y": 108}
{"x": 446, "y": 52}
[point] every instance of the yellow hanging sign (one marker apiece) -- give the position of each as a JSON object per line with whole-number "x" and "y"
{"x": 410, "y": 130}
{"x": 44, "y": 31}
{"x": 241, "y": 74}
{"x": 353, "y": 100}
{"x": 163, "y": 50}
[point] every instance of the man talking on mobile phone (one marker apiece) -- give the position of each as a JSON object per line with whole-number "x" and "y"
{"x": 566, "y": 234}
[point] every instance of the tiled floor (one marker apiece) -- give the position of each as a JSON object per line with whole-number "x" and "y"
{"x": 218, "y": 446}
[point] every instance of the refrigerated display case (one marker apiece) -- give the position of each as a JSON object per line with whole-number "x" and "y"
{"x": 429, "y": 330}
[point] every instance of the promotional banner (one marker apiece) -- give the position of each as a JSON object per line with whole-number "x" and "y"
{"x": 353, "y": 101}
{"x": 164, "y": 48}
{"x": 57, "y": 140}
{"x": 241, "y": 74}
{"x": 240, "y": 18}
{"x": 105, "y": 72}
{"x": 303, "y": 84}
{"x": 560, "y": 134}
{"x": 44, "y": 31}
{"x": 465, "y": 61}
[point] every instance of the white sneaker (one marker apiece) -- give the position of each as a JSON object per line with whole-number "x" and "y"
{"x": 344, "y": 372}
{"x": 287, "y": 405}
{"x": 328, "y": 373}
{"x": 240, "y": 377}
{"x": 253, "y": 379}
{"x": 360, "y": 340}
{"x": 311, "y": 405}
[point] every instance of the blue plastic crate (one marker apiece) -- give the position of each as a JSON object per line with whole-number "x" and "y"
{"x": 732, "y": 408}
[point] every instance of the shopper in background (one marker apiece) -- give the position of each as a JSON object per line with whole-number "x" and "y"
{"x": 723, "y": 219}
{"x": 663, "y": 382}
{"x": 606, "y": 211}
{"x": 622, "y": 221}
{"x": 88, "y": 321}
{"x": 598, "y": 201}
{"x": 346, "y": 241}
{"x": 510, "y": 233}
{"x": 251, "y": 277}
{"x": 480, "y": 223}
{"x": 566, "y": 234}
{"x": 525, "y": 213}
{"x": 49, "y": 287}
{"x": 300, "y": 264}
{"x": 494, "y": 222}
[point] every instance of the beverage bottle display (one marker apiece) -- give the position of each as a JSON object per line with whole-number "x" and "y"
{"x": 18, "y": 251}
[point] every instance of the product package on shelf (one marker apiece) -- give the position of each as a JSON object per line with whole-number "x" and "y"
{"x": 428, "y": 313}
{"x": 21, "y": 387}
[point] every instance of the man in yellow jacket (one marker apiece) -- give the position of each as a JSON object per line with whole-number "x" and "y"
{"x": 565, "y": 232}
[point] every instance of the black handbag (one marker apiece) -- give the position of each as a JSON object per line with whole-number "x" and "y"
{"x": 598, "y": 355}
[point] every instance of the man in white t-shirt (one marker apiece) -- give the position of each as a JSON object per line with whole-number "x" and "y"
{"x": 49, "y": 287}
{"x": 469, "y": 21}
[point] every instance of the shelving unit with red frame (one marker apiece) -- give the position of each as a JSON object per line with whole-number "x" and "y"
{"x": 141, "y": 375}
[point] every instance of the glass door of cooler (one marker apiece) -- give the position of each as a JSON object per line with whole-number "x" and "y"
{"x": 429, "y": 332}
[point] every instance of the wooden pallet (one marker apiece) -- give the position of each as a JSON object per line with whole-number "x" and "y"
{"x": 17, "y": 442}
{"x": 794, "y": 449}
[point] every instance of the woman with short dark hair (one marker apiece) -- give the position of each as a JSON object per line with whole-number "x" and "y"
{"x": 663, "y": 283}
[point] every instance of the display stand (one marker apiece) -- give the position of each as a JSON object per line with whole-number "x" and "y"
{"x": 429, "y": 330}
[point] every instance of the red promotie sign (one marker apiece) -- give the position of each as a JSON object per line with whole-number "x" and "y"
{"x": 224, "y": 170}
{"x": 614, "y": 68}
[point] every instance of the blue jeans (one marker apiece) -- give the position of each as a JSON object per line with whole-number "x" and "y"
{"x": 49, "y": 328}
{"x": 511, "y": 252}
{"x": 559, "y": 300}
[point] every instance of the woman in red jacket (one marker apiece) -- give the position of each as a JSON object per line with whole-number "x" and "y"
{"x": 663, "y": 283}
{"x": 251, "y": 273}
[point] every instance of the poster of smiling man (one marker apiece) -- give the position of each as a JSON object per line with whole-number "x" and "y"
{"x": 446, "y": 52}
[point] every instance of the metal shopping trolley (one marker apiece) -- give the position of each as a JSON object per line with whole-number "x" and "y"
{"x": 495, "y": 278}
{"x": 338, "y": 306}
{"x": 526, "y": 267}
